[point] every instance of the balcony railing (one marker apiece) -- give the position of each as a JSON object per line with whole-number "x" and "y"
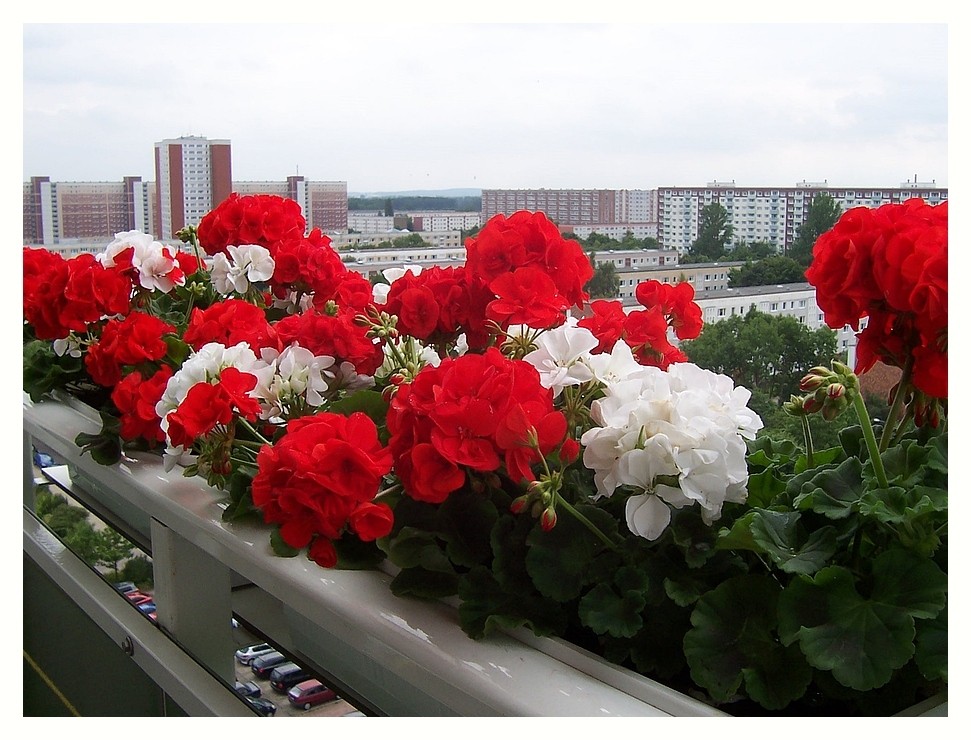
{"x": 387, "y": 655}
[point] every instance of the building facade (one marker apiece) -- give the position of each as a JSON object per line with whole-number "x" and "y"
{"x": 767, "y": 214}
{"x": 582, "y": 211}
{"x": 192, "y": 175}
{"x": 323, "y": 203}
{"x": 60, "y": 212}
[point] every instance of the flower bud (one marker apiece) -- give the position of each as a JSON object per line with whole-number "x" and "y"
{"x": 548, "y": 519}
{"x": 811, "y": 405}
{"x": 569, "y": 450}
{"x": 518, "y": 506}
{"x": 836, "y": 390}
{"x": 811, "y": 382}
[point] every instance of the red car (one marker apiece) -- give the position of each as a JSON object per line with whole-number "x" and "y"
{"x": 310, "y": 693}
{"x": 137, "y": 597}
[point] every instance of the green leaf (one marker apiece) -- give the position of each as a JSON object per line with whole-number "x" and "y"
{"x": 424, "y": 584}
{"x": 413, "y": 548}
{"x": 834, "y": 492}
{"x": 177, "y": 351}
{"x": 739, "y": 537}
{"x": 605, "y": 611}
{"x": 371, "y": 403}
{"x": 820, "y": 457}
{"x": 897, "y": 505}
{"x": 105, "y": 446}
{"x": 913, "y": 584}
{"x": 764, "y": 487}
{"x": 44, "y": 371}
{"x": 862, "y": 641}
{"x": 558, "y": 560}
{"x": 485, "y": 607}
{"x": 732, "y": 642}
{"x": 355, "y": 554}
{"x": 932, "y": 647}
{"x": 466, "y": 519}
{"x": 777, "y": 535}
{"x": 280, "y": 547}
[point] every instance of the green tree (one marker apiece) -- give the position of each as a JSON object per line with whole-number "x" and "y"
{"x": 762, "y": 351}
{"x": 61, "y": 517}
{"x": 388, "y": 207}
{"x": 410, "y": 241}
{"x": 822, "y": 214}
{"x": 138, "y": 570}
{"x": 604, "y": 283}
{"x": 714, "y": 233}
{"x": 112, "y": 548}
{"x": 83, "y": 540}
{"x": 774, "y": 270}
{"x": 752, "y": 251}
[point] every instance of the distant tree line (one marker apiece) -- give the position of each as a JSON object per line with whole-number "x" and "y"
{"x": 407, "y": 203}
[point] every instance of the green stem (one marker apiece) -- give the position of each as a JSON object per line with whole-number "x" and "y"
{"x": 897, "y": 406}
{"x": 586, "y": 522}
{"x": 246, "y": 463}
{"x": 252, "y": 430}
{"x": 807, "y": 433}
{"x": 871, "y": 439}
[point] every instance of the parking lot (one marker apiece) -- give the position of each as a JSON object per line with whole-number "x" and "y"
{"x": 244, "y": 674}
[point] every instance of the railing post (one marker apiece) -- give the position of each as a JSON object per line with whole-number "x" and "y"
{"x": 192, "y": 591}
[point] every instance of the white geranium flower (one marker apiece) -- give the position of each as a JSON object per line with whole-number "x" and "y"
{"x": 292, "y": 375}
{"x": 205, "y": 366}
{"x": 70, "y": 345}
{"x": 561, "y": 356}
{"x": 380, "y": 290}
{"x": 616, "y": 365}
{"x": 685, "y": 424}
{"x": 246, "y": 264}
{"x": 152, "y": 261}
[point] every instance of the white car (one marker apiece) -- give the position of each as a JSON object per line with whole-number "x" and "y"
{"x": 245, "y": 655}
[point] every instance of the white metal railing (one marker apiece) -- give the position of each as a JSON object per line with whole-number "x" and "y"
{"x": 392, "y": 656}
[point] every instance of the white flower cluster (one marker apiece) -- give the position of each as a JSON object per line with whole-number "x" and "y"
{"x": 245, "y": 265}
{"x": 153, "y": 261}
{"x": 677, "y": 436}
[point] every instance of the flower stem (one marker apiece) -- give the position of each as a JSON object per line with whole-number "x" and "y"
{"x": 871, "y": 439}
{"x": 897, "y": 406}
{"x": 586, "y": 522}
{"x": 253, "y": 431}
{"x": 807, "y": 433}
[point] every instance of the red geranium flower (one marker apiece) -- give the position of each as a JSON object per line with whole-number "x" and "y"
{"x": 250, "y": 219}
{"x": 136, "y": 398}
{"x": 230, "y": 322}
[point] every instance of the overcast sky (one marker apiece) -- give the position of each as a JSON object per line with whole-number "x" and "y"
{"x": 431, "y": 106}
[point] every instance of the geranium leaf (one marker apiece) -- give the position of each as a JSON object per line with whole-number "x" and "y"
{"x": 371, "y": 403}
{"x": 558, "y": 560}
{"x": 909, "y": 582}
{"x": 355, "y": 554}
{"x": 44, "y": 370}
{"x": 763, "y": 487}
{"x": 833, "y": 492}
{"x": 820, "y": 457}
{"x": 896, "y": 505}
{"x": 732, "y": 641}
{"x": 424, "y": 584}
{"x": 466, "y": 521}
{"x": 605, "y": 611}
{"x": 105, "y": 446}
{"x": 412, "y": 548}
{"x": 486, "y": 606}
{"x": 931, "y": 654}
{"x": 862, "y": 641}
{"x": 904, "y": 464}
{"x": 508, "y": 541}
{"x": 280, "y": 547}
{"x": 776, "y": 533}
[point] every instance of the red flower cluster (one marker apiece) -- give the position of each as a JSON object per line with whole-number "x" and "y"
{"x": 61, "y": 296}
{"x": 338, "y": 336}
{"x": 666, "y": 307}
{"x": 889, "y": 264}
{"x": 230, "y": 322}
{"x": 137, "y": 338}
{"x": 208, "y": 405}
{"x": 320, "y": 479}
{"x": 474, "y": 412}
{"x": 534, "y": 272}
{"x": 440, "y": 303}
{"x": 136, "y": 398}
{"x": 250, "y": 219}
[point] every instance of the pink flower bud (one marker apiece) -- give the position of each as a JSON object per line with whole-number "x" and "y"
{"x": 519, "y": 504}
{"x": 548, "y": 519}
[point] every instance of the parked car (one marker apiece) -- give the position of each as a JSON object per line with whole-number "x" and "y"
{"x": 248, "y": 688}
{"x": 147, "y": 607}
{"x": 137, "y": 597}
{"x": 245, "y": 655}
{"x": 286, "y": 675}
{"x": 126, "y": 587}
{"x": 263, "y": 665}
{"x": 310, "y": 693}
{"x": 261, "y": 706}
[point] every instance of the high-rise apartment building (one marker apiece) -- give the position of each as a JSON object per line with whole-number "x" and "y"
{"x": 193, "y": 175}
{"x": 770, "y": 213}
{"x": 63, "y": 211}
{"x": 324, "y": 204}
